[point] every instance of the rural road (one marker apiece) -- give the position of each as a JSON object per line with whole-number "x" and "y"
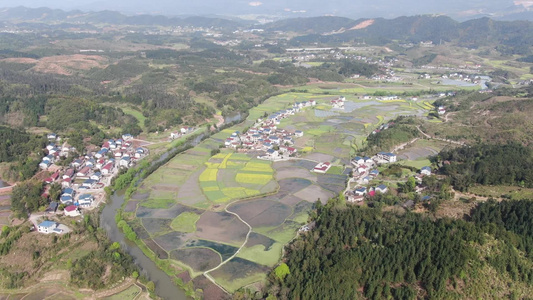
{"x": 206, "y": 273}
{"x": 439, "y": 139}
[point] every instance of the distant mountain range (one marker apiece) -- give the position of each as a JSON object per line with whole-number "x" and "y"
{"x": 458, "y": 9}
{"x": 47, "y": 15}
{"x": 514, "y": 37}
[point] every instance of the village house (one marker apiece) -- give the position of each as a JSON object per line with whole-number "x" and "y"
{"x": 106, "y": 170}
{"x": 425, "y": 171}
{"x": 356, "y": 161}
{"x": 381, "y": 188}
{"x": 89, "y": 183}
{"x": 338, "y": 103}
{"x": 352, "y": 197}
{"x": 360, "y": 191}
{"x": 48, "y": 227}
{"x": 76, "y": 163}
{"x": 387, "y": 156}
{"x": 45, "y": 164}
{"x": 68, "y": 192}
{"x": 322, "y": 167}
{"x": 127, "y": 137}
{"x": 85, "y": 200}
{"x": 125, "y": 161}
{"x": 66, "y": 183}
{"x": 83, "y": 173}
{"x": 69, "y": 173}
{"x": 441, "y": 110}
{"x": 65, "y": 199}
{"x": 96, "y": 176}
{"x": 51, "y": 136}
{"x": 72, "y": 211}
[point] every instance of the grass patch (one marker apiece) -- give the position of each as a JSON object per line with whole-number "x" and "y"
{"x": 129, "y": 293}
{"x": 335, "y": 170}
{"x": 419, "y": 163}
{"x": 512, "y": 192}
{"x": 258, "y": 254}
{"x": 136, "y": 114}
{"x": 185, "y": 222}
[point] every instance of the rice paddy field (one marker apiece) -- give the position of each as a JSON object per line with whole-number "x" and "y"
{"x": 186, "y": 211}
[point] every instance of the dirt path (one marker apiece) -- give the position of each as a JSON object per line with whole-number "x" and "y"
{"x": 401, "y": 146}
{"x": 439, "y": 139}
{"x": 206, "y": 273}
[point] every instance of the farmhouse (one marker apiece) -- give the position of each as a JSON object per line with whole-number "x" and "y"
{"x": 322, "y": 167}
{"x": 387, "y": 156}
{"x": 45, "y": 164}
{"x": 107, "y": 168}
{"x": 83, "y": 173}
{"x": 72, "y": 211}
{"x": 357, "y": 161}
{"x": 85, "y": 200}
{"x": 48, "y": 227}
{"x": 381, "y": 188}
{"x": 361, "y": 191}
{"x": 65, "y": 199}
{"x": 441, "y": 110}
{"x": 425, "y": 171}
{"x": 338, "y": 103}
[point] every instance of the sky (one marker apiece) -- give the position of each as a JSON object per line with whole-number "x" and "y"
{"x": 287, "y": 8}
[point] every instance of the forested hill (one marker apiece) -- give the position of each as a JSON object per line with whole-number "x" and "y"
{"x": 517, "y": 35}
{"x": 365, "y": 253}
{"x": 44, "y": 15}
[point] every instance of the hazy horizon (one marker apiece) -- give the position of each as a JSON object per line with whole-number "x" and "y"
{"x": 294, "y": 8}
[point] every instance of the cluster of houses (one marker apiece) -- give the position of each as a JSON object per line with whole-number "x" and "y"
{"x": 54, "y": 151}
{"x": 361, "y": 191}
{"x": 183, "y": 131}
{"x": 338, "y": 103}
{"x": 383, "y": 127}
{"x": 90, "y": 171}
{"x": 265, "y": 136}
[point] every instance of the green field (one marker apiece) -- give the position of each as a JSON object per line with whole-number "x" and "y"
{"x": 185, "y": 222}
{"x": 260, "y": 255}
{"x": 136, "y": 114}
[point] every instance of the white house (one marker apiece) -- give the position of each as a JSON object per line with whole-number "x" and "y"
{"x": 322, "y": 167}
{"x": 85, "y": 200}
{"x": 381, "y": 188}
{"x": 48, "y": 227}
{"x": 72, "y": 211}
{"x": 361, "y": 191}
{"x": 425, "y": 171}
{"x": 390, "y": 157}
